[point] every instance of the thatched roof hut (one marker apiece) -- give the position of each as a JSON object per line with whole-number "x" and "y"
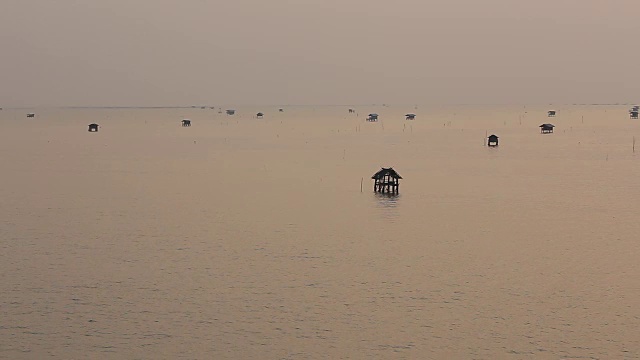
{"x": 259, "y": 115}
{"x": 386, "y": 180}
{"x": 546, "y": 128}
{"x": 231, "y": 112}
{"x": 372, "y": 117}
{"x": 410, "y": 116}
{"x": 492, "y": 140}
{"x": 551, "y": 113}
{"x": 93, "y": 127}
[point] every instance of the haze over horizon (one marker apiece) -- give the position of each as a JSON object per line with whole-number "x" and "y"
{"x": 164, "y": 52}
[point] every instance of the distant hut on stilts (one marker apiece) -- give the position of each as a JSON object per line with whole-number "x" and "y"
{"x": 259, "y": 115}
{"x": 386, "y": 180}
{"x": 546, "y": 128}
{"x": 186, "y": 122}
{"x": 372, "y": 117}
{"x": 231, "y": 112}
{"x": 410, "y": 116}
{"x": 492, "y": 140}
{"x": 551, "y": 113}
{"x": 93, "y": 127}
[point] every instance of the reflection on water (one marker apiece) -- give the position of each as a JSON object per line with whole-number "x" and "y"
{"x": 387, "y": 205}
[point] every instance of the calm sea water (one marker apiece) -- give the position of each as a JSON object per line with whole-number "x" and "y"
{"x": 245, "y": 238}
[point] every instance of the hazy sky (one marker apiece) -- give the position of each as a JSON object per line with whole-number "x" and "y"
{"x": 219, "y": 52}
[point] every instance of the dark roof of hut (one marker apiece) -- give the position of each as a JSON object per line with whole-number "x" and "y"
{"x": 411, "y": 115}
{"x": 93, "y": 125}
{"x": 386, "y": 171}
{"x": 374, "y": 114}
{"x": 493, "y": 136}
{"x": 547, "y": 126}
{"x": 259, "y": 114}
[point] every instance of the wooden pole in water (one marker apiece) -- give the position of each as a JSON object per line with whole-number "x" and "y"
{"x": 361, "y": 181}
{"x": 634, "y": 144}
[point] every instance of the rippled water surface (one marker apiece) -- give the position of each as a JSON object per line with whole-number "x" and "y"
{"x": 245, "y": 238}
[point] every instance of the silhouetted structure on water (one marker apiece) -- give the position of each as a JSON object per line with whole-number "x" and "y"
{"x": 546, "y": 128}
{"x": 231, "y": 112}
{"x": 186, "y": 122}
{"x": 372, "y": 117}
{"x": 93, "y": 127}
{"x": 410, "y": 116}
{"x": 492, "y": 140}
{"x": 259, "y": 115}
{"x": 551, "y": 113}
{"x": 30, "y": 115}
{"x": 386, "y": 180}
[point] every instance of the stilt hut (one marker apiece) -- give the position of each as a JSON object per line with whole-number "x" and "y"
{"x": 351, "y": 111}
{"x": 186, "y": 122}
{"x": 410, "y": 116}
{"x": 280, "y": 110}
{"x": 259, "y": 115}
{"x": 231, "y": 112}
{"x": 372, "y": 117}
{"x": 551, "y": 113}
{"x": 546, "y": 128}
{"x": 31, "y": 115}
{"x": 93, "y": 127}
{"x": 492, "y": 140}
{"x": 386, "y": 180}
{"x": 633, "y": 114}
